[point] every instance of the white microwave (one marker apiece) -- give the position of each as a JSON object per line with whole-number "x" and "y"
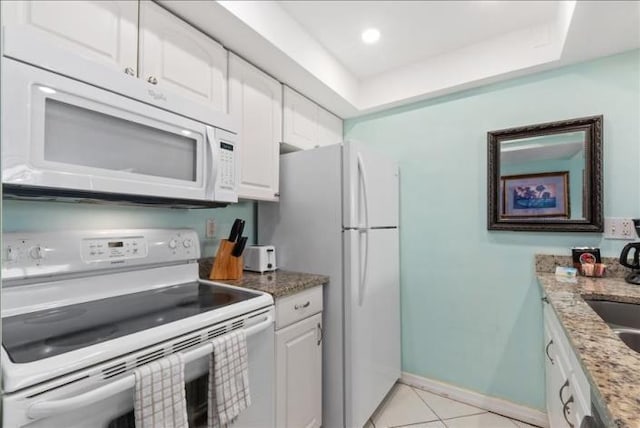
{"x": 65, "y": 138}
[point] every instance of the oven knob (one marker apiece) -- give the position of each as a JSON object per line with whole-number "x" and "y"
{"x": 173, "y": 244}
{"x": 187, "y": 243}
{"x": 36, "y": 253}
{"x": 11, "y": 254}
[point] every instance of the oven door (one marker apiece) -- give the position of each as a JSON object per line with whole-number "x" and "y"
{"x": 63, "y": 134}
{"x": 109, "y": 404}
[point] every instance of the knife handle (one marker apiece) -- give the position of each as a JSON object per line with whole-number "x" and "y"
{"x": 239, "y": 247}
{"x": 235, "y": 230}
{"x": 240, "y": 229}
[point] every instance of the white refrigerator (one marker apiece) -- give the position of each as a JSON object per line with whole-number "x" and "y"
{"x": 338, "y": 216}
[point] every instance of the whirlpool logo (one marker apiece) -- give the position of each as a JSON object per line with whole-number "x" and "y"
{"x": 157, "y": 95}
{"x": 117, "y": 262}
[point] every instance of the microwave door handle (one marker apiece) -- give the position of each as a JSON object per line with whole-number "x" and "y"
{"x": 211, "y": 167}
{"x": 44, "y": 409}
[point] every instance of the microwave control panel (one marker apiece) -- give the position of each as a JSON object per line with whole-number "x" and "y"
{"x": 227, "y": 165}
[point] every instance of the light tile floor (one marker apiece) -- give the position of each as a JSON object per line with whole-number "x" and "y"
{"x": 413, "y": 408}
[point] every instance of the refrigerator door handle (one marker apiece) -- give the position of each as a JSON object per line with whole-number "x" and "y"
{"x": 363, "y": 176}
{"x": 364, "y": 231}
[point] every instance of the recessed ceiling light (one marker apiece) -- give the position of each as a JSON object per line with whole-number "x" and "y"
{"x": 370, "y": 35}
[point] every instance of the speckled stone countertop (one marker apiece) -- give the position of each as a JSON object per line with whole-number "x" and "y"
{"x": 280, "y": 283}
{"x": 612, "y": 368}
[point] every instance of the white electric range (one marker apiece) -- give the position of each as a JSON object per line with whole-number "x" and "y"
{"x": 82, "y": 309}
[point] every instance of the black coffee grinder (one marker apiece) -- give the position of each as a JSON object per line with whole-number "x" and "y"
{"x": 634, "y": 276}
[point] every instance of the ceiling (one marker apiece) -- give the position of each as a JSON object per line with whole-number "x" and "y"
{"x": 427, "y": 48}
{"x": 539, "y": 153}
{"x": 411, "y": 30}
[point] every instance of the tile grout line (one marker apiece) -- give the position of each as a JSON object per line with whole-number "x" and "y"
{"x": 478, "y": 414}
{"x": 427, "y": 404}
{"x": 439, "y": 418}
{"x": 444, "y": 421}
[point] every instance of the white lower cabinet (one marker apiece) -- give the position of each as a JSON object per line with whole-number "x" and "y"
{"x": 299, "y": 361}
{"x": 568, "y": 395}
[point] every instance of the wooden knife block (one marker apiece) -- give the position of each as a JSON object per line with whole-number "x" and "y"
{"x": 226, "y": 266}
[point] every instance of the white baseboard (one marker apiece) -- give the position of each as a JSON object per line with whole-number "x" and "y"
{"x": 491, "y": 404}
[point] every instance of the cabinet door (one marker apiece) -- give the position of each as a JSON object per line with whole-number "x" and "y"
{"x": 329, "y": 128}
{"x": 102, "y": 31}
{"x": 299, "y": 374}
{"x": 300, "y": 120}
{"x": 180, "y": 58}
{"x": 554, "y": 379}
{"x": 559, "y": 382}
{"x": 255, "y": 99}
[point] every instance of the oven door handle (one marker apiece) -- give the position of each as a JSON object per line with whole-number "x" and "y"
{"x": 49, "y": 408}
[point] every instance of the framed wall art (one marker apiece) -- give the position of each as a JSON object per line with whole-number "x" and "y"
{"x": 535, "y": 195}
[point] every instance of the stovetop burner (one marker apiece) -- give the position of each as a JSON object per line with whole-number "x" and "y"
{"x": 83, "y": 337}
{"x": 55, "y": 315}
{"x": 175, "y": 289}
{"x": 37, "y": 335}
{"x": 208, "y": 299}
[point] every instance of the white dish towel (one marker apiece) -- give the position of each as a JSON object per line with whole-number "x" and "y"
{"x": 160, "y": 400}
{"x": 228, "y": 379}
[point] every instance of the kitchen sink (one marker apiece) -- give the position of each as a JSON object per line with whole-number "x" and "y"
{"x": 623, "y": 318}
{"x": 617, "y": 314}
{"x": 631, "y": 338}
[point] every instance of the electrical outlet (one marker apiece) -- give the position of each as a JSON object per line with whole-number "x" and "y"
{"x": 211, "y": 228}
{"x": 628, "y": 229}
{"x": 619, "y": 228}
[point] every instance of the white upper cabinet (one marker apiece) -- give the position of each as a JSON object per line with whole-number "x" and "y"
{"x": 329, "y": 128}
{"x": 102, "y": 31}
{"x": 306, "y": 124}
{"x": 255, "y": 99}
{"x": 300, "y": 120}
{"x": 176, "y": 56}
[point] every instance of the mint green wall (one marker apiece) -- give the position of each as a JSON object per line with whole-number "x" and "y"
{"x": 471, "y": 311}
{"x": 574, "y": 165}
{"x": 38, "y": 216}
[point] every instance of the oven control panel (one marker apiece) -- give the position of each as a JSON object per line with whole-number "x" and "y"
{"x": 114, "y": 248}
{"x": 34, "y": 254}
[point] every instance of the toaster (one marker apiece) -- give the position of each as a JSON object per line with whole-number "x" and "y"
{"x": 260, "y": 258}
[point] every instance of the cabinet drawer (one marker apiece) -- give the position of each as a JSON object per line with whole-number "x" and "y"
{"x": 298, "y": 306}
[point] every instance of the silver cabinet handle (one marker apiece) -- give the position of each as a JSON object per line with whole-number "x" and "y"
{"x": 565, "y": 411}
{"x": 152, "y": 80}
{"x": 320, "y": 334}
{"x": 306, "y": 305}
{"x": 546, "y": 351}
{"x": 130, "y": 71}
